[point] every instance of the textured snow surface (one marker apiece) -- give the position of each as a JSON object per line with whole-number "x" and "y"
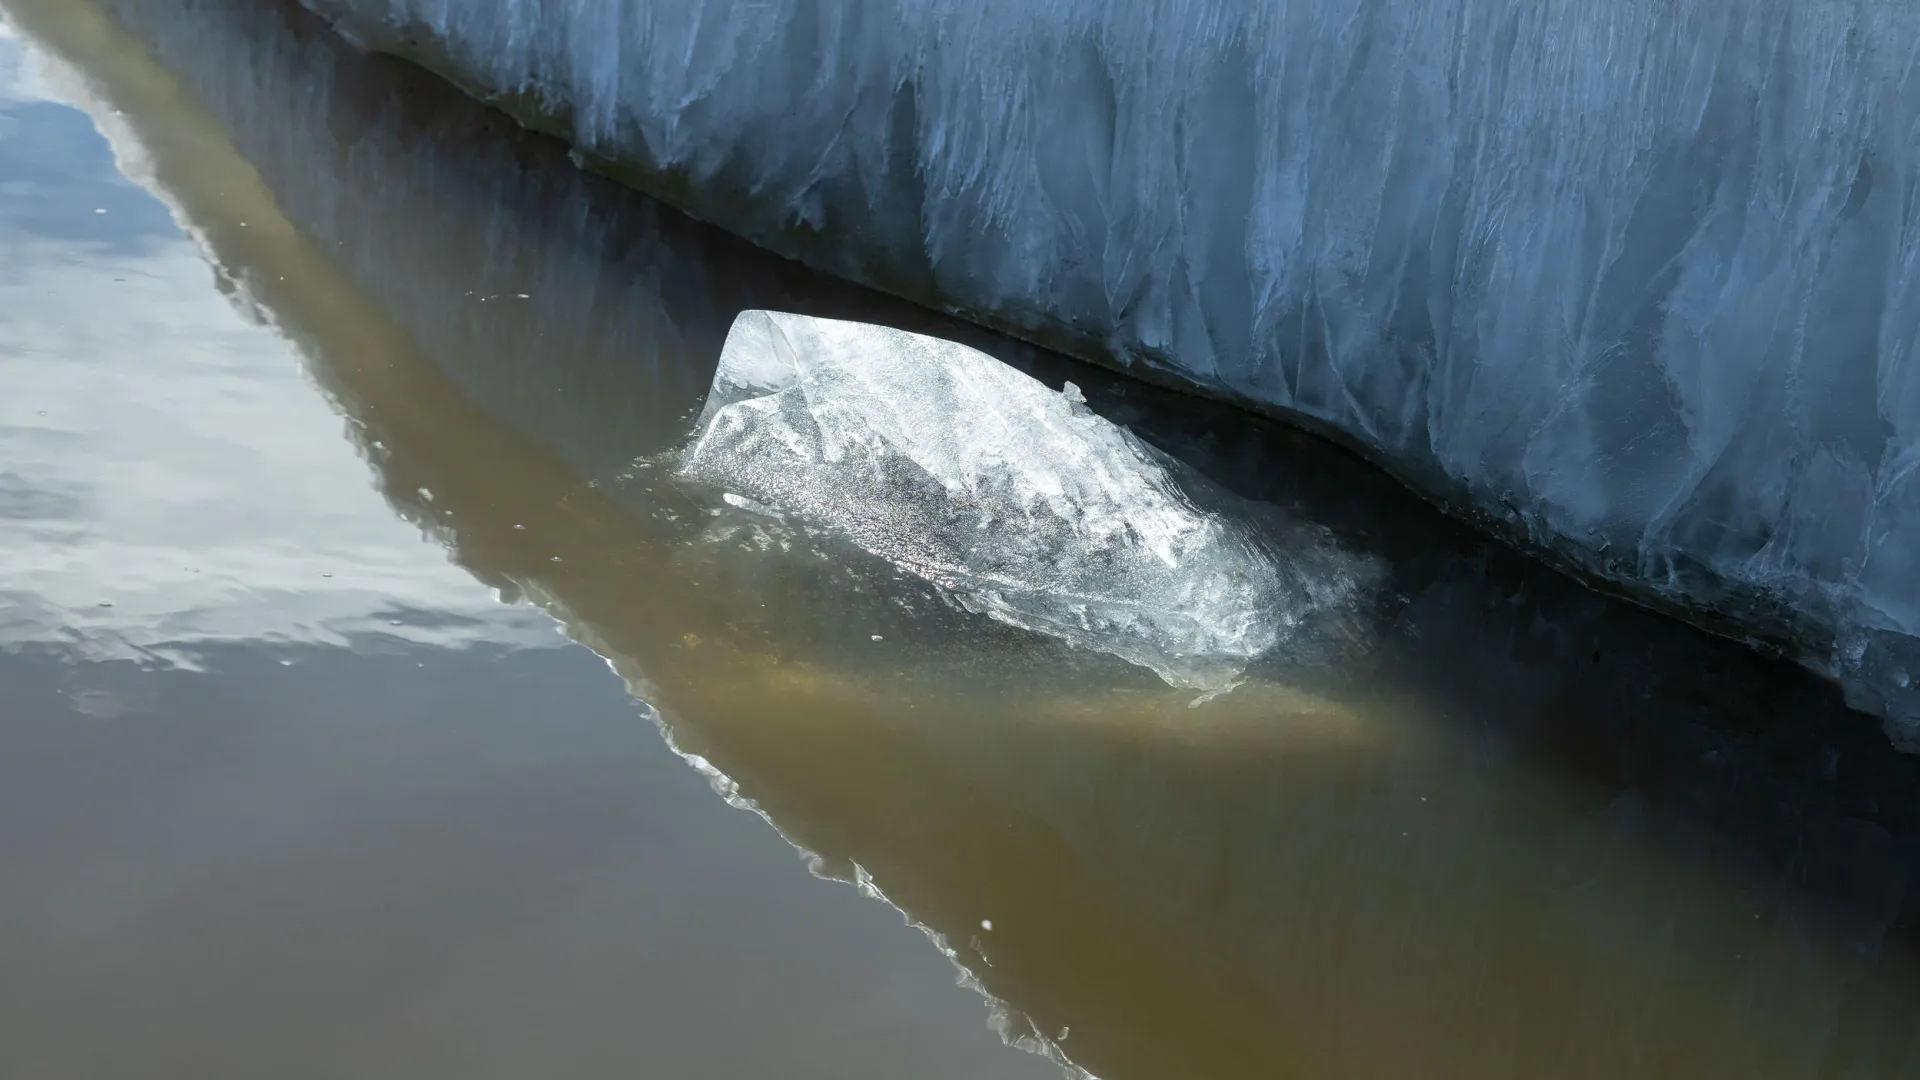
{"x": 1016, "y": 499}
{"x": 1636, "y": 278}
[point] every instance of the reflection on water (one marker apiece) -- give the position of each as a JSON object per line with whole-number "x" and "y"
{"x": 307, "y": 801}
{"x": 1484, "y": 824}
{"x": 169, "y": 529}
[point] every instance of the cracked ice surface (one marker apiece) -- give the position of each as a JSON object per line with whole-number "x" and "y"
{"x": 1636, "y": 279}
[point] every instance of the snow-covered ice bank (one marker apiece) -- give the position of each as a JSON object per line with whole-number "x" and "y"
{"x": 1634, "y": 280}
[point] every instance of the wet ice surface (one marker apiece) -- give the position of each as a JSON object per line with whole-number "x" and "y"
{"x": 1017, "y": 500}
{"x": 1486, "y": 824}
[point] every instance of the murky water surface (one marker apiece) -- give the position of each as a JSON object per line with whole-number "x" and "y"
{"x": 370, "y": 704}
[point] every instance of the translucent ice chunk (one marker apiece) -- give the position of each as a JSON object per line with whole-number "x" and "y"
{"x": 1018, "y": 500}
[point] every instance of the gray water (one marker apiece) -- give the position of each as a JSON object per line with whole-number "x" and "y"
{"x": 345, "y": 395}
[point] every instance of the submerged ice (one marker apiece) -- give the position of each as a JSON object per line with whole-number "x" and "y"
{"x": 1017, "y": 500}
{"x": 1637, "y": 281}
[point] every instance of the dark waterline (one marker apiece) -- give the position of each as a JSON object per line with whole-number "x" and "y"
{"x": 1489, "y": 824}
